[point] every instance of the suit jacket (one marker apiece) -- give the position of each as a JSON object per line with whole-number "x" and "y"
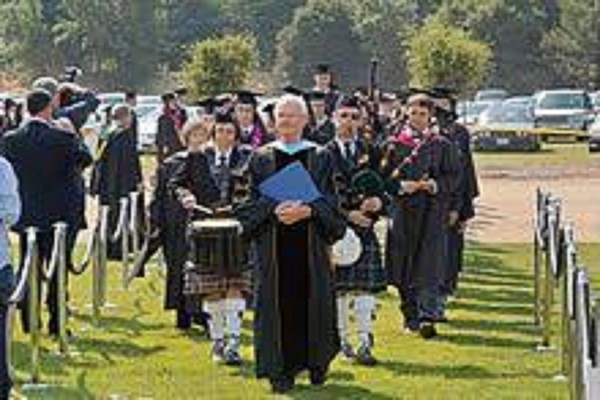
{"x": 48, "y": 163}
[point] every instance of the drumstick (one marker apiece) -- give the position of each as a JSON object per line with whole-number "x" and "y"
{"x": 203, "y": 209}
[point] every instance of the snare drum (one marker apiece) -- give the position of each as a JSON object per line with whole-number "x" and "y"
{"x": 216, "y": 246}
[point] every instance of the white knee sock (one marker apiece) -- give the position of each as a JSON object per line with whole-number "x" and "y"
{"x": 343, "y": 316}
{"x": 364, "y": 306}
{"x": 234, "y": 309}
{"x": 216, "y": 310}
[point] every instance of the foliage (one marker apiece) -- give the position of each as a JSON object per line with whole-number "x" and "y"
{"x": 220, "y": 65}
{"x": 442, "y": 55}
{"x": 322, "y": 32}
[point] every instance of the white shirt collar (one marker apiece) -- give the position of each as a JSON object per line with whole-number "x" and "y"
{"x": 342, "y": 145}
{"x": 219, "y": 154}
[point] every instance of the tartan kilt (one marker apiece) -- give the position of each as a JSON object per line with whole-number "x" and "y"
{"x": 201, "y": 282}
{"x": 368, "y": 273}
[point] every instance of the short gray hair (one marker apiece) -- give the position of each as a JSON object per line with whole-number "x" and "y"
{"x": 290, "y": 99}
{"x": 47, "y": 83}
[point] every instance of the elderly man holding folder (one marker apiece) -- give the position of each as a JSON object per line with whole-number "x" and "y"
{"x": 294, "y": 217}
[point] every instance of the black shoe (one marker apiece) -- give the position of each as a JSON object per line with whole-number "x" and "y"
{"x": 365, "y": 357}
{"x": 282, "y": 385}
{"x": 427, "y": 330}
{"x": 232, "y": 358}
{"x": 442, "y": 319}
{"x": 317, "y": 377}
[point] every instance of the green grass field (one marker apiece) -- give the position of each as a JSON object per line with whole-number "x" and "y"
{"x": 486, "y": 352}
{"x": 551, "y": 155}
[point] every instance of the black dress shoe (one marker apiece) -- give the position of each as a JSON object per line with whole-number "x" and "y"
{"x": 427, "y": 330}
{"x": 365, "y": 357}
{"x": 317, "y": 377}
{"x": 282, "y": 385}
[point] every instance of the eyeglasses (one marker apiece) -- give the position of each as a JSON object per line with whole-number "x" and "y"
{"x": 354, "y": 116}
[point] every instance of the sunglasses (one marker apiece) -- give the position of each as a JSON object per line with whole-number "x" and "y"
{"x": 353, "y": 116}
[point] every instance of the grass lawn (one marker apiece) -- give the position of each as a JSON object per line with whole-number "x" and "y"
{"x": 486, "y": 352}
{"x": 551, "y": 155}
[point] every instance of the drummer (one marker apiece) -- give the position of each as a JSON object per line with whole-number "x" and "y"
{"x": 359, "y": 281}
{"x": 223, "y": 297}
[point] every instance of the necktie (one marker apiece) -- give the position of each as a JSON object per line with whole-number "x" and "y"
{"x": 348, "y": 150}
{"x": 222, "y": 160}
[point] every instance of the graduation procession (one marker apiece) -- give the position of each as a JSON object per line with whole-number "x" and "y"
{"x": 305, "y": 232}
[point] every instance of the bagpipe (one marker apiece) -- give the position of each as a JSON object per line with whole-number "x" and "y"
{"x": 364, "y": 183}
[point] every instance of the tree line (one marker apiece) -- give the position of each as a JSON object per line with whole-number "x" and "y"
{"x": 520, "y": 45}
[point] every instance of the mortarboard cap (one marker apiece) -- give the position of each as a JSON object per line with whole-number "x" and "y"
{"x": 322, "y": 69}
{"x": 349, "y": 102}
{"x": 246, "y": 97}
{"x": 224, "y": 117}
{"x": 210, "y": 105}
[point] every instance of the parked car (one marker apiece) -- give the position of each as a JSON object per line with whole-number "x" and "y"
{"x": 505, "y": 126}
{"x": 563, "y": 109}
{"x": 596, "y": 101}
{"x": 491, "y": 94}
{"x": 594, "y": 132}
{"x": 469, "y": 111}
{"x": 110, "y": 99}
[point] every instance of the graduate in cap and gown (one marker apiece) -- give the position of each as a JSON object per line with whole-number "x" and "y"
{"x": 322, "y": 127}
{"x": 324, "y": 82}
{"x": 463, "y": 208}
{"x": 170, "y": 124}
{"x": 422, "y": 170}
{"x": 295, "y": 320}
{"x": 252, "y": 129}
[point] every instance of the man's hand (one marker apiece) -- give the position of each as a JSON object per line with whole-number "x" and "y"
{"x": 289, "y": 213}
{"x": 358, "y": 218}
{"x": 453, "y": 218}
{"x": 410, "y": 187}
{"x": 372, "y": 204}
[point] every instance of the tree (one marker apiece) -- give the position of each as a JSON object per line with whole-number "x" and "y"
{"x": 442, "y": 55}
{"x": 220, "y": 65}
{"x": 26, "y": 31}
{"x": 514, "y": 29}
{"x": 322, "y": 32}
{"x": 573, "y": 47}
{"x": 264, "y": 18}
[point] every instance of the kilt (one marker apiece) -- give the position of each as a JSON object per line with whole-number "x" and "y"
{"x": 201, "y": 282}
{"x": 367, "y": 274}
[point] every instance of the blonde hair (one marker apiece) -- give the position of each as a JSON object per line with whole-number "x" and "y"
{"x": 190, "y": 126}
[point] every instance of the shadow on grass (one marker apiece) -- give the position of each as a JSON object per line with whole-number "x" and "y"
{"x": 113, "y": 324}
{"x": 336, "y": 391}
{"x": 496, "y": 295}
{"x": 485, "y": 340}
{"x": 109, "y": 349}
{"x": 490, "y": 309}
{"x": 523, "y": 327}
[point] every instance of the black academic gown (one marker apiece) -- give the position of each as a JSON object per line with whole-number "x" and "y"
{"x": 167, "y": 138}
{"x": 322, "y": 133}
{"x": 416, "y": 237}
{"x": 117, "y": 173}
{"x": 467, "y": 191}
{"x": 295, "y": 321}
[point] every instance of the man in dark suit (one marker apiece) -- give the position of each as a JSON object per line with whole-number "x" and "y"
{"x": 48, "y": 163}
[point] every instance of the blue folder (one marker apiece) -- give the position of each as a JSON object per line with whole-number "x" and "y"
{"x": 292, "y": 183}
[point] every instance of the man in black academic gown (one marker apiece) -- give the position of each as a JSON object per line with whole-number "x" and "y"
{"x": 467, "y": 190}
{"x": 170, "y": 124}
{"x": 48, "y": 163}
{"x": 322, "y": 128}
{"x": 295, "y": 322}
{"x": 422, "y": 169}
{"x": 118, "y": 171}
{"x": 324, "y": 83}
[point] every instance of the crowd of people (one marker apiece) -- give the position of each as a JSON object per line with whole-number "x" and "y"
{"x": 229, "y": 243}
